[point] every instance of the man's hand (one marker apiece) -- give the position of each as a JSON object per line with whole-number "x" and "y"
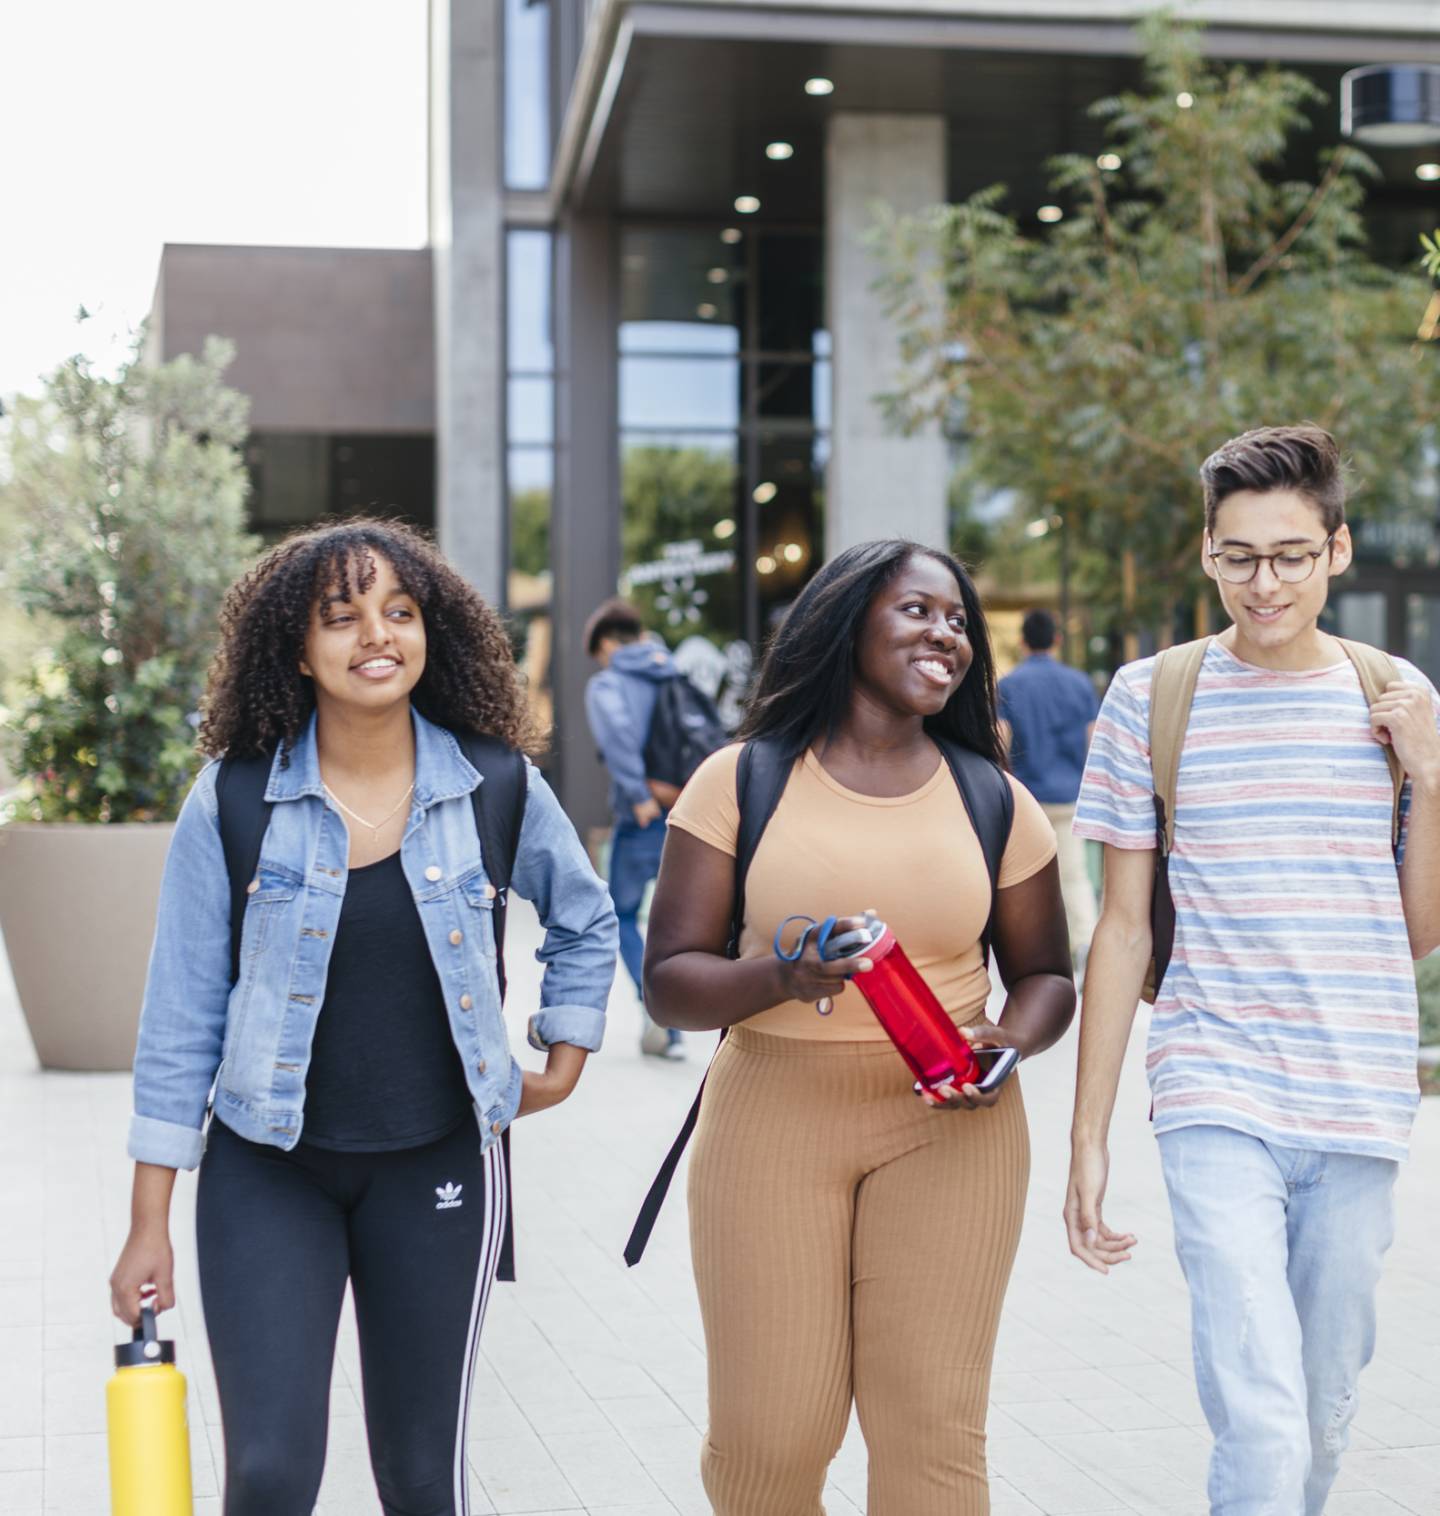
{"x": 646, "y": 811}
{"x": 1091, "y": 1241}
{"x": 1404, "y": 718}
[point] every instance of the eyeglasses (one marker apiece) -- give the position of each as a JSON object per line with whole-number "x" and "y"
{"x": 1292, "y": 566}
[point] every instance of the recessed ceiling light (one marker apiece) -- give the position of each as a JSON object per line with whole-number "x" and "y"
{"x": 765, "y": 564}
{"x": 1108, "y": 161}
{"x": 747, "y": 205}
{"x": 1184, "y": 100}
{"x": 1050, "y": 213}
{"x": 1429, "y": 172}
{"x": 724, "y": 529}
{"x": 717, "y": 275}
{"x": 818, "y": 86}
{"x": 706, "y": 311}
{"x": 779, "y": 151}
{"x": 793, "y": 552}
{"x": 731, "y": 235}
{"x": 766, "y": 492}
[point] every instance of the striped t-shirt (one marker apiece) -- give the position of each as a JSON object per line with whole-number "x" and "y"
{"x": 1288, "y": 1010}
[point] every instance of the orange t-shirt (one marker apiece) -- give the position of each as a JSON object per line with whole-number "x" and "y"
{"x": 828, "y": 851}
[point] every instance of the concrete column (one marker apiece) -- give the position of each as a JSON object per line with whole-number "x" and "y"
{"x": 468, "y": 241}
{"x": 585, "y": 515}
{"x": 878, "y": 483}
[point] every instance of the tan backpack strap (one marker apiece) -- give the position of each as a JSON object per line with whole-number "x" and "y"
{"x": 1376, "y": 669}
{"x": 1172, "y": 690}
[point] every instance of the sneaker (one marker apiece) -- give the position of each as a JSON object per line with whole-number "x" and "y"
{"x": 674, "y": 1050}
{"x": 655, "y": 1041}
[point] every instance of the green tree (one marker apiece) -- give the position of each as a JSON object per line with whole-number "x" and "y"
{"x": 1191, "y": 291}
{"x": 128, "y": 498}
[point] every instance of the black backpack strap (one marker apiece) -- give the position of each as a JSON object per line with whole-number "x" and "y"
{"x": 990, "y": 803}
{"x": 760, "y": 777}
{"x": 499, "y": 802}
{"x": 244, "y": 817}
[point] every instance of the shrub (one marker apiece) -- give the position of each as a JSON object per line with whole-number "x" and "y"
{"x": 126, "y": 498}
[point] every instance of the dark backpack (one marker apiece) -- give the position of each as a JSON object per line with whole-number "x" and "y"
{"x": 499, "y": 804}
{"x": 760, "y": 779}
{"x": 684, "y": 730}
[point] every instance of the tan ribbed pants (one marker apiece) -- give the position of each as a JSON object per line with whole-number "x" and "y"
{"x": 849, "y": 1243}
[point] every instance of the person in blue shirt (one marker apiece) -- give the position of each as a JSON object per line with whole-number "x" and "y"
{"x": 619, "y": 704}
{"x": 1047, "y": 713}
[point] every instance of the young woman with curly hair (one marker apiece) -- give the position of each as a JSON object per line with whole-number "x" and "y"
{"x": 852, "y": 1241}
{"x": 357, "y": 1063}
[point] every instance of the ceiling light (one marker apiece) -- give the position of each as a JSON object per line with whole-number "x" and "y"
{"x": 1108, "y": 161}
{"x": 747, "y": 205}
{"x": 1184, "y": 100}
{"x": 1050, "y": 213}
{"x": 706, "y": 311}
{"x": 766, "y": 492}
{"x": 724, "y": 529}
{"x": 819, "y": 86}
{"x": 1429, "y": 172}
{"x": 779, "y": 151}
{"x": 792, "y": 552}
{"x": 765, "y": 564}
{"x": 731, "y": 235}
{"x": 717, "y": 275}
{"x": 1391, "y": 104}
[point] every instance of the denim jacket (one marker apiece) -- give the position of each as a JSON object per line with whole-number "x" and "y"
{"x": 248, "y": 1045}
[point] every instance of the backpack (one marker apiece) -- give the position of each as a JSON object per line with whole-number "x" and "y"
{"x": 499, "y": 805}
{"x": 684, "y": 730}
{"x": 760, "y": 779}
{"x": 1172, "y": 692}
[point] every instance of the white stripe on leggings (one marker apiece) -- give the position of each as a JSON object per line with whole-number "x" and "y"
{"x": 497, "y": 1201}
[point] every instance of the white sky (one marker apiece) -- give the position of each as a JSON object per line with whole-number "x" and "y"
{"x": 125, "y": 124}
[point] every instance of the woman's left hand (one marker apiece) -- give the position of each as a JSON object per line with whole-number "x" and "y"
{"x": 966, "y": 1097}
{"x": 540, "y": 1090}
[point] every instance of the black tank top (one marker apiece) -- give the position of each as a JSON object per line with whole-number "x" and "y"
{"x": 384, "y": 1070}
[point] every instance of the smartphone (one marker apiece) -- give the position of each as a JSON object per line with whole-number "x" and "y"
{"x": 996, "y": 1066}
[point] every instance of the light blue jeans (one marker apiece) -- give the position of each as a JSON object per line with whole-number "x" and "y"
{"x": 1281, "y": 1248}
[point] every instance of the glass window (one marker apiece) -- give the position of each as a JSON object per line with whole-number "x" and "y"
{"x": 686, "y": 393}
{"x": 1360, "y": 615}
{"x": 530, "y": 479}
{"x": 531, "y": 414}
{"x": 527, "y": 95}
{"x": 680, "y": 526}
{"x": 530, "y": 341}
{"x": 790, "y": 292}
{"x": 1422, "y": 634}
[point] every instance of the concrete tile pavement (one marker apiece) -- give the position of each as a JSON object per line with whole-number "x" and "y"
{"x": 590, "y": 1395}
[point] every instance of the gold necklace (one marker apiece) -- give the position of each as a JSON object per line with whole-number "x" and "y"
{"x": 355, "y": 815}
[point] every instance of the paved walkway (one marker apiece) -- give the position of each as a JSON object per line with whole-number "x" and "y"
{"x": 591, "y": 1395}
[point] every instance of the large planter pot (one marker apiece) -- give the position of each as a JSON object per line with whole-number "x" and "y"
{"x": 77, "y": 908}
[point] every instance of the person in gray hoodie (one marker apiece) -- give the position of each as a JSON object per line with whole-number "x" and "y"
{"x": 619, "y": 703}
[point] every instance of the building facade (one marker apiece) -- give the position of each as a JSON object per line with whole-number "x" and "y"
{"x": 653, "y": 344}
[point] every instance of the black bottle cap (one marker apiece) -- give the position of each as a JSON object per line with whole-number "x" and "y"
{"x": 147, "y": 1347}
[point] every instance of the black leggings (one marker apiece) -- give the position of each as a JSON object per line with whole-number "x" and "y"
{"x": 417, "y": 1232}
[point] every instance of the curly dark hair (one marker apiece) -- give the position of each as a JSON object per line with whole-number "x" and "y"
{"x": 256, "y": 698}
{"x": 807, "y": 673}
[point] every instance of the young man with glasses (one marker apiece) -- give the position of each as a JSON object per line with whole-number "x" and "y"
{"x": 1282, "y": 1046}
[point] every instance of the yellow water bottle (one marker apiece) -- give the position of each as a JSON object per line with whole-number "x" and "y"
{"x": 149, "y": 1434}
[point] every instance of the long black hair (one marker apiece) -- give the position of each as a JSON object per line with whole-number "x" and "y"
{"x": 808, "y": 671}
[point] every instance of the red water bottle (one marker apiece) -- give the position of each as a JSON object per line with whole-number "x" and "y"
{"x": 906, "y": 1007}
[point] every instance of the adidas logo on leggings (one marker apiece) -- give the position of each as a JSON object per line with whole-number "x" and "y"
{"x": 449, "y": 1197}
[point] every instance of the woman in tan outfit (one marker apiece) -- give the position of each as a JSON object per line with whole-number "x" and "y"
{"x": 851, "y": 1240}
